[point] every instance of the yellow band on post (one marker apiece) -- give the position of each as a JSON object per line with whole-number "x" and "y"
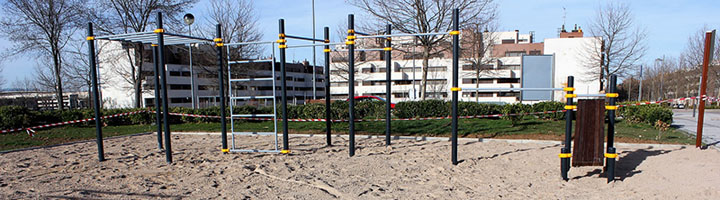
{"x": 282, "y": 35}
{"x": 351, "y": 31}
{"x": 282, "y": 46}
{"x": 90, "y": 38}
{"x": 327, "y": 41}
{"x": 570, "y": 95}
{"x": 281, "y": 41}
{"x": 219, "y": 44}
{"x": 570, "y": 107}
{"x": 565, "y": 155}
{"x": 217, "y": 40}
{"x": 326, "y": 50}
{"x": 455, "y": 89}
{"x": 569, "y": 89}
{"x": 611, "y": 155}
{"x": 349, "y": 42}
{"x": 388, "y": 39}
{"x": 153, "y": 45}
{"x": 159, "y": 30}
{"x": 225, "y": 150}
{"x": 454, "y": 32}
{"x": 611, "y": 107}
{"x": 351, "y": 37}
{"x": 285, "y": 151}
{"x": 612, "y": 95}
{"x": 387, "y": 48}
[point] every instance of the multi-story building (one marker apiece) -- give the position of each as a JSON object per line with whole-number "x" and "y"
{"x": 118, "y": 92}
{"x": 499, "y": 67}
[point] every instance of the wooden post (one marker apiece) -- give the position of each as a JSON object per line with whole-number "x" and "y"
{"x": 707, "y": 56}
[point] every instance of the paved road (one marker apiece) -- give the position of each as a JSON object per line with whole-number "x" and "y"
{"x": 684, "y": 120}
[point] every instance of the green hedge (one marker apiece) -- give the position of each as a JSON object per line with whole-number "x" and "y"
{"x": 16, "y": 117}
{"x": 648, "y": 114}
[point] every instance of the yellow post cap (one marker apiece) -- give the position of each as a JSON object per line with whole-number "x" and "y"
{"x": 454, "y": 32}
{"x": 611, "y": 155}
{"x": 612, "y": 95}
{"x": 285, "y": 151}
{"x": 611, "y": 107}
{"x": 570, "y": 95}
{"x": 565, "y": 155}
{"x": 569, "y": 89}
{"x": 570, "y": 107}
{"x": 455, "y": 89}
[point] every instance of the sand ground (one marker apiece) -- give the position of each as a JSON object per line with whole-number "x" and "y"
{"x": 410, "y": 169}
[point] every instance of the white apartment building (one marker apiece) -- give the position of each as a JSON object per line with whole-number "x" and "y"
{"x": 117, "y": 92}
{"x": 502, "y": 69}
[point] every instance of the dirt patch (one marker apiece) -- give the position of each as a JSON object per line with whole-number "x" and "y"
{"x": 408, "y": 169}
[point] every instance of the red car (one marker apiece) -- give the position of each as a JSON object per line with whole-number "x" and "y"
{"x": 372, "y": 98}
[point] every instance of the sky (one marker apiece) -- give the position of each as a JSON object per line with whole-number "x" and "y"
{"x": 668, "y": 23}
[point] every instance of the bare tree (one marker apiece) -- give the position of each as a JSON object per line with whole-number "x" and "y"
{"x": 622, "y": 45}
{"x": 42, "y": 27}
{"x": 127, "y": 16}
{"x": 2, "y": 79}
{"x": 693, "y": 57}
{"x": 422, "y": 16}
{"x": 478, "y": 43}
{"x": 239, "y": 23}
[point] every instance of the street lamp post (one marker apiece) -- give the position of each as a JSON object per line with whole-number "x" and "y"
{"x": 189, "y": 20}
{"x": 641, "y": 80}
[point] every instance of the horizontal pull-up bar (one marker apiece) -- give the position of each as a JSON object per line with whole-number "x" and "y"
{"x": 189, "y": 37}
{"x": 122, "y": 35}
{"x": 315, "y": 45}
{"x": 361, "y": 50}
{"x": 511, "y": 89}
{"x": 249, "y": 43}
{"x": 303, "y": 38}
{"x": 360, "y": 33}
{"x": 249, "y": 61}
{"x": 400, "y": 35}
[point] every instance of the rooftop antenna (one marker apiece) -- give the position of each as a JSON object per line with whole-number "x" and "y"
{"x": 564, "y": 15}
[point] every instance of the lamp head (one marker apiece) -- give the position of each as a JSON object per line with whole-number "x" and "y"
{"x": 189, "y": 19}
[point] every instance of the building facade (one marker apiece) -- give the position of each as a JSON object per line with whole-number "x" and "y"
{"x": 499, "y": 67}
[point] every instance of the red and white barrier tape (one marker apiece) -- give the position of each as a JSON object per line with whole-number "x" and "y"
{"x": 30, "y": 130}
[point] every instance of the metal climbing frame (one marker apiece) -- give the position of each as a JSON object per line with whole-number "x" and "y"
{"x": 234, "y": 98}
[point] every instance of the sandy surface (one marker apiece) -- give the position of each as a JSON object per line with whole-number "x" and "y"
{"x": 135, "y": 169}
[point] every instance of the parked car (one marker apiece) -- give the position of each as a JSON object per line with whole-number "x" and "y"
{"x": 372, "y": 98}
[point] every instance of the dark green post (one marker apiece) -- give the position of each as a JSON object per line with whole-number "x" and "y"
{"x": 456, "y": 52}
{"x": 611, "y": 152}
{"x": 158, "y": 119}
{"x": 282, "y": 45}
{"x": 163, "y": 76}
{"x": 351, "y": 78}
{"x": 221, "y": 77}
{"x": 388, "y": 83}
{"x": 95, "y": 92}
{"x": 565, "y": 151}
{"x": 328, "y": 122}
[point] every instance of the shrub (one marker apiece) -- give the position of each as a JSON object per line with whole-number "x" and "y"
{"x": 15, "y": 117}
{"x": 515, "y": 108}
{"x": 648, "y": 114}
{"x": 549, "y": 106}
{"x": 425, "y": 108}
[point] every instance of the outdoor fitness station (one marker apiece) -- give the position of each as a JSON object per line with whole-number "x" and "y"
{"x": 158, "y": 39}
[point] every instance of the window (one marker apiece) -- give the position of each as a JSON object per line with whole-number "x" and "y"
{"x": 180, "y": 86}
{"x": 174, "y": 73}
{"x": 508, "y": 80}
{"x": 473, "y": 68}
{"x": 473, "y": 81}
{"x": 180, "y": 100}
{"x": 508, "y": 94}
{"x": 510, "y": 67}
{"x": 514, "y": 53}
{"x": 535, "y": 52}
{"x": 403, "y": 82}
{"x": 508, "y": 41}
{"x": 401, "y": 95}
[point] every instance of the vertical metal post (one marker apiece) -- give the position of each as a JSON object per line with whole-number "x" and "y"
{"x": 163, "y": 76}
{"x": 193, "y": 100}
{"x": 707, "y": 57}
{"x": 351, "y": 78}
{"x": 641, "y": 80}
{"x": 95, "y": 91}
{"x": 328, "y": 123}
{"x": 611, "y": 152}
{"x": 221, "y": 77}
{"x": 455, "y": 89}
{"x": 158, "y": 118}
{"x": 565, "y": 151}
{"x": 388, "y": 83}
{"x": 283, "y": 82}
{"x": 314, "y": 81}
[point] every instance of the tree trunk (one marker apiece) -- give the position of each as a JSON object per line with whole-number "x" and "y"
{"x": 425, "y": 63}
{"x": 138, "y": 79}
{"x": 58, "y": 81}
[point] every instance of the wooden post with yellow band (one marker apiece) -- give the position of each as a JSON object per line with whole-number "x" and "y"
{"x": 565, "y": 153}
{"x": 611, "y": 152}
